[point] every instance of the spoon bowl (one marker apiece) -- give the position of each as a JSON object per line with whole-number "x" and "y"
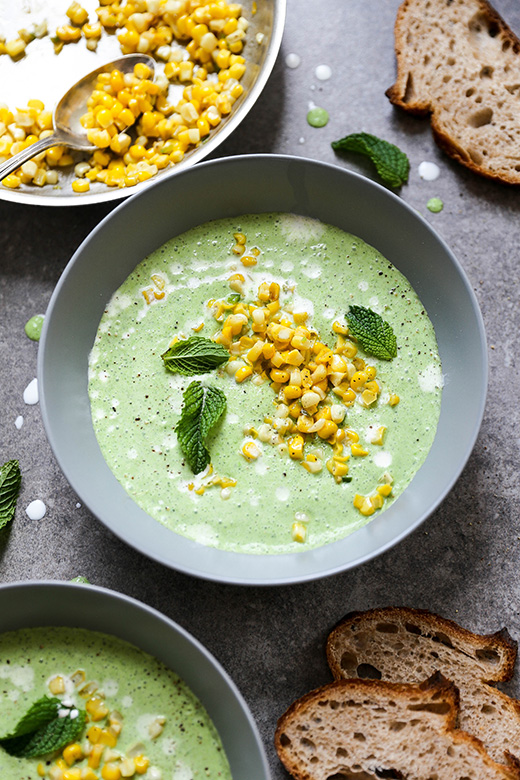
{"x": 67, "y": 128}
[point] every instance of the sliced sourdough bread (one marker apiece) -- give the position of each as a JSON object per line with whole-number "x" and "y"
{"x": 370, "y": 729}
{"x": 407, "y": 646}
{"x": 458, "y": 61}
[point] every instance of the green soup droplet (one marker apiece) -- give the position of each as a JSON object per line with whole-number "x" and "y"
{"x": 435, "y": 205}
{"x": 33, "y": 327}
{"x": 317, "y": 117}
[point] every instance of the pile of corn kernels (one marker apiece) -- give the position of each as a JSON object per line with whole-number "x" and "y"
{"x": 200, "y": 45}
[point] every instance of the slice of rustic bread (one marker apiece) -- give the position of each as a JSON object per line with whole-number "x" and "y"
{"x": 370, "y": 729}
{"x": 408, "y": 645}
{"x": 459, "y": 61}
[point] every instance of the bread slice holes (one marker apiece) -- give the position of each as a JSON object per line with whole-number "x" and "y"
{"x": 334, "y": 705}
{"x": 437, "y": 708}
{"x": 409, "y": 92}
{"x": 348, "y": 661}
{"x": 451, "y": 751}
{"x": 470, "y": 92}
{"x": 397, "y": 725}
{"x": 482, "y": 117}
{"x": 359, "y": 736}
{"x": 341, "y": 752}
{"x": 487, "y": 709}
{"x": 412, "y": 629}
{"x": 387, "y": 628}
{"x": 284, "y": 740}
{"x": 488, "y": 654}
{"x": 486, "y": 72}
{"x": 308, "y": 743}
{"x": 451, "y": 61}
{"x": 443, "y": 639}
{"x": 368, "y": 672}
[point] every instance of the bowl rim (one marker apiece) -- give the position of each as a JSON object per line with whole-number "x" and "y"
{"x": 22, "y": 595}
{"x": 286, "y": 572}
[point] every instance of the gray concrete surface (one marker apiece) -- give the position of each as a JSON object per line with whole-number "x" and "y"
{"x": 464, "y": 561}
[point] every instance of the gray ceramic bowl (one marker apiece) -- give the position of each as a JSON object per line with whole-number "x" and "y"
{"x": 211, "y": 191}
{"x": 33, "y": 604}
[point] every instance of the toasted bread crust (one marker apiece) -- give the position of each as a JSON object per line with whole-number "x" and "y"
{"x": 403, "y": 644}
{"x": 488, "y": 144}
{"x": 347, "y": 726}
{"x": 432, "y": 623}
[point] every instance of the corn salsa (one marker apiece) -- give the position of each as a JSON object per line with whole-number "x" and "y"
{"x": 318, "y": 436}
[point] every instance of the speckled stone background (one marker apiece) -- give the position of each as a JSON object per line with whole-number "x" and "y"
{"x": 464, "y": 561}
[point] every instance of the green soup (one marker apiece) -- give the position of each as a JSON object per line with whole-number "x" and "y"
{"x": 161, "y": 719}
{"x": 136, "y": 402}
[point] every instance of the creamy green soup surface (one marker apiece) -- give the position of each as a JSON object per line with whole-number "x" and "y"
{"x": 136, "y": 402}
{"x": 162, "y": 720}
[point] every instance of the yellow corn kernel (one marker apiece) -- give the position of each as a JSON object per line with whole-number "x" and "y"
{"x": 368, "y": 397}
{"x": 141, "y": 764}
{"x": 327, "y": 430}
{"x": 42, "y": 771}
{"x": 96, "y": 708}
{"x": 251, "y": 451}
{"x": 72, "y": 753}
{"x": 15, "y": 48}
{"x": 280, "y": 376}
{"x": 379, "y": 435}
{"x": 358, "y": 380}
{"x": 299, "y": 532}
{"x": 91, "y": 31}
{"x": 371, "y": 372}
{"x": 377, "y": 501}
{"x": 393, "y": 400}
{"x": 57, "y": 685}
{"x": 337, "y": 327}
{"x": 295, "y": 409}
{"x": 373, "y": 386}
{"x": 88, "y": 774}
{"x": 248, "y": 260}
{"x": 80, "y": 185}
{"x": 351, "y": 435}
{"x": 111, "y": 772}
{"x": 94, "y": 758}
{"x": 304, "y": 423}
{"x": 71, "y": 774}
{"x": 291, "y": 392}
{"x": 93, "y": 734}
{"x": 366, "y": 507}
{"x": 12, "y": 181}
{"x": 108, "y": 738}
{"x": 295, "y": 444}
{"x": 358, "y": 451}
{"x": 384, "y": 490}
{"x": 243, "y": 373}
{"x": 323, "y": 413}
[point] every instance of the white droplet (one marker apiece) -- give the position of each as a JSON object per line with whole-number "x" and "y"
{"x": 383, "y": 459}
{"x": 30, "y": 394}
{"x": 282, "y": 493}
{"x": 78, "y": 505}
{"x": 36, "y": 510}
{"x": 301, "y": 140}
{"x": 19, "y": 421}
{"x": 323, "y": 72}
{"x": 429, "y": 171}
{"x": 292, "y": 60}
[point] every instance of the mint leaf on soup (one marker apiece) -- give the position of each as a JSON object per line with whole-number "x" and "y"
{"x": 374, "y": 334}
{"x": 10, "y": 481}
{"x": 391, "y": 163}
{"x": 203, "y": 406}
{"x": 47, "y": 726}
{"x": 195, "y": 355}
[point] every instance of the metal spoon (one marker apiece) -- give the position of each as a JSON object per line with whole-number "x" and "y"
{"x": 65, "y": 119}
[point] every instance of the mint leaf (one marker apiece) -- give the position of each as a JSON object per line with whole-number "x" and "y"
{"x": 391, "y": 163}
{"x": 203, "y": 407}
{"x": 10, "y": 481}
{"x": 373, "y": 333}
{"x": 41, "y": 730}
{"x": 195, "y": 355}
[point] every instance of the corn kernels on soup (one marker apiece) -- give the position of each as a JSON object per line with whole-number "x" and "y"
{"x": 139, "y": 718}
{"x": 314, "y": 421}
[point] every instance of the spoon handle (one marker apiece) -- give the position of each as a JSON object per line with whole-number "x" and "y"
{"x": 18, "y": 159}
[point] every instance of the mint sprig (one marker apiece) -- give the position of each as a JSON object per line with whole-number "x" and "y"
{"x": 41, "y": 730}
{"x": 195, "y": 355}
{"x": 203, "y": 406}
{"x": 391, "y": 163}
{"x": 10, "y": 481}
{"x": 374, "y": 334}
